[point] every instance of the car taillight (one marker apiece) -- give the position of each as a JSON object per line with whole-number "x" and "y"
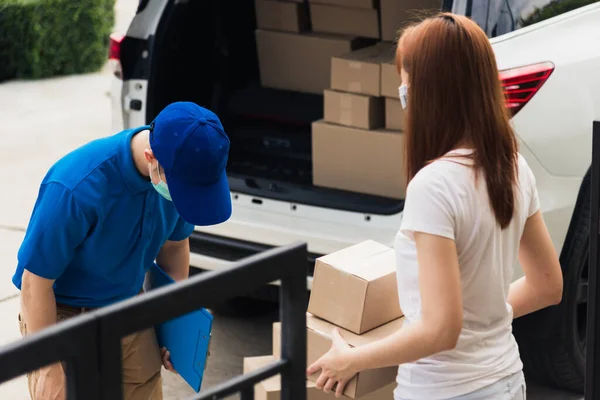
{"x": 522, "y": 83}
{"x": 114, "y": 53}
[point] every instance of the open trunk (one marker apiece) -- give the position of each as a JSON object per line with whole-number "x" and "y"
{"x": 205, "y": 52}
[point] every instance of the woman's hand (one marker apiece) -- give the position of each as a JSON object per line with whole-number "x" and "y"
{"x": 335, "y": 366}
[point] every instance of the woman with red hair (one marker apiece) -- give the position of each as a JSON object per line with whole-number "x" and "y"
{"x": 471, "y": 212}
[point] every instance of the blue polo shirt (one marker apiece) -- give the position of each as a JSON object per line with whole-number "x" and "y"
{"x": 97, "y": 225}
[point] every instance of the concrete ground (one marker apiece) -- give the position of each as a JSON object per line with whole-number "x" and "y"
{"x": 43, "y": 120}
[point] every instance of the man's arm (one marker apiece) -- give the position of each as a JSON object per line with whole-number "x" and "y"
{"x": 174, "y": 256}
{"x": 174, "y": 259}
{"x": 57, "y": 226}
{"x": 38, "y": 303}
{"x": 38, "y": 310}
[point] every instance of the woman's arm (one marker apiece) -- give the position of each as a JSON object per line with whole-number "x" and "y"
{"x": 542, "y": 284}
{"x": 438, "y": 330}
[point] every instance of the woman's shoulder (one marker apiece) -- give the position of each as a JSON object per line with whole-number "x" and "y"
{"x": 525, "y": 172}
{"x": 445, "y": 169}
{"x": 438, "y": 178}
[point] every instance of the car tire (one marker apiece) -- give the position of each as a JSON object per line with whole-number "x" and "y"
{"x": 552, "y": 341}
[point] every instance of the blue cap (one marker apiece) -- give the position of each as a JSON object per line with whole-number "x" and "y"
{"x": 190, "y": 144}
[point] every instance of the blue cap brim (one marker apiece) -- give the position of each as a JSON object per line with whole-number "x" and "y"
{"x": 201, "y": 205}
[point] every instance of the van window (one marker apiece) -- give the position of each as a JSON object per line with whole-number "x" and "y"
{"x": 497, "y": 17}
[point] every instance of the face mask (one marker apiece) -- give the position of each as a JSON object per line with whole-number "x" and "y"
{"x": 403, "y": 92}
{"x": 161, "y": 187}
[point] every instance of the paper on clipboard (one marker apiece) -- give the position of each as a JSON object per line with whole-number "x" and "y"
{"x": 187, "y": 337}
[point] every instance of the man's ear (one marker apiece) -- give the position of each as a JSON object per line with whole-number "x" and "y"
{"x": 149, "y": 156}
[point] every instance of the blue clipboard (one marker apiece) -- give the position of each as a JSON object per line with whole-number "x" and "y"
{"x": 187, "y": 337}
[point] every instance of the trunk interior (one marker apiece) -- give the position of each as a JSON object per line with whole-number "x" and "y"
{"x": 205, "y": 52}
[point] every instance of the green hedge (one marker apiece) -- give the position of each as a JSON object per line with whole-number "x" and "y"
{"x": 42, "y": 38}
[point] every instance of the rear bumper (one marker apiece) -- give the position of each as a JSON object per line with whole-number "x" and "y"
{"x": 256, "y": 226}
{"x": 210, "y": 252}
{"x": 230, "y": 250}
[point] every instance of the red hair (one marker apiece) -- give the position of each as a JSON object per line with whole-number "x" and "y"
{"x": 455, "y": 100}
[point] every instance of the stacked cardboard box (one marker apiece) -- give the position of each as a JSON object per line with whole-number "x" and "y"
{"x": 290, "y": 56}
{"x": 395, "y": 13}
{"x": 351, "y": 17}
{"x": 355, "y": 290}
{"x": 390, "y": 82}
{"x": 351, "y": 151}
{"x": 270, "y": 389}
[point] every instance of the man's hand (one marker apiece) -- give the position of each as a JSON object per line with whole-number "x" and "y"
{"x": 166, "y": 359}
{"x": 51, "y": 384}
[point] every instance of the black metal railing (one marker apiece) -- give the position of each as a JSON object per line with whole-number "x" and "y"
{"x": 90, "y": 344}
{"x": 592, "y": 371}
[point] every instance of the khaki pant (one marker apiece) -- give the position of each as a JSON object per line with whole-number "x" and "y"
{"x": 142, "y": 362}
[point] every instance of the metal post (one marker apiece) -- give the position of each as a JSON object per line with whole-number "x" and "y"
{"x": 91, "y": 343}
{"x": 82, "y": 370}
{"x": 73, "y": 341}
{"x": 592, "y": 373}
{"x": 247, "y": 393}
{"x": 293, "y": 327}
{"x": 111, "y": 368}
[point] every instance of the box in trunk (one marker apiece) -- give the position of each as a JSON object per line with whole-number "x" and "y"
{"x": 358, "y": 160}
{"x": 354, "y": 110}
{"x": 390, "y": 80}
{"x": 396, "y": 13}
{"x": 281, "y": 15}
{"x": 360, "y": 70}
{"x": 348, "y": 3}
{"x": 300, "y": 62}
{"x": 345, "y": 20}
{"x": 394, "y": 115}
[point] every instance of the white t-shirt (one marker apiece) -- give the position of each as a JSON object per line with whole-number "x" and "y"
{"x": 443, "y": 199}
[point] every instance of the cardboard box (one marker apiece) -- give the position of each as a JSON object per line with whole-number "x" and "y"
{"x": 270, "y": 389}
{"x": 356, "y": 287}
{"x": 369, "y": 381}
{"x": 357, "y": 160}
{"x": 348, "y": 3}
{"x": 277, "y": 339}
{"x": 390, "y": 80}
{"x": 281, "y": 15}
{"x": 394, "y": 115}
{"x": 345, "y": 20}
{"x": 355, "y": 110}
{"x": 360, "y": 70}
{"x": 300, "y": 62}
{"x": 396, "y": 13}
{"x": 374, "y": 384}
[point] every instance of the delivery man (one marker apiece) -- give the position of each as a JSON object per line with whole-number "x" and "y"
{"x": 105, "y": 212}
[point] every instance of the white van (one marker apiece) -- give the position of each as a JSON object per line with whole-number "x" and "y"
{"x": 205, "y": 51}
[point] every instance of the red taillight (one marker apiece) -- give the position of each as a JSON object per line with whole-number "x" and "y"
{"x": 522, "y": 83}
{"x": 114, "y": 53}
